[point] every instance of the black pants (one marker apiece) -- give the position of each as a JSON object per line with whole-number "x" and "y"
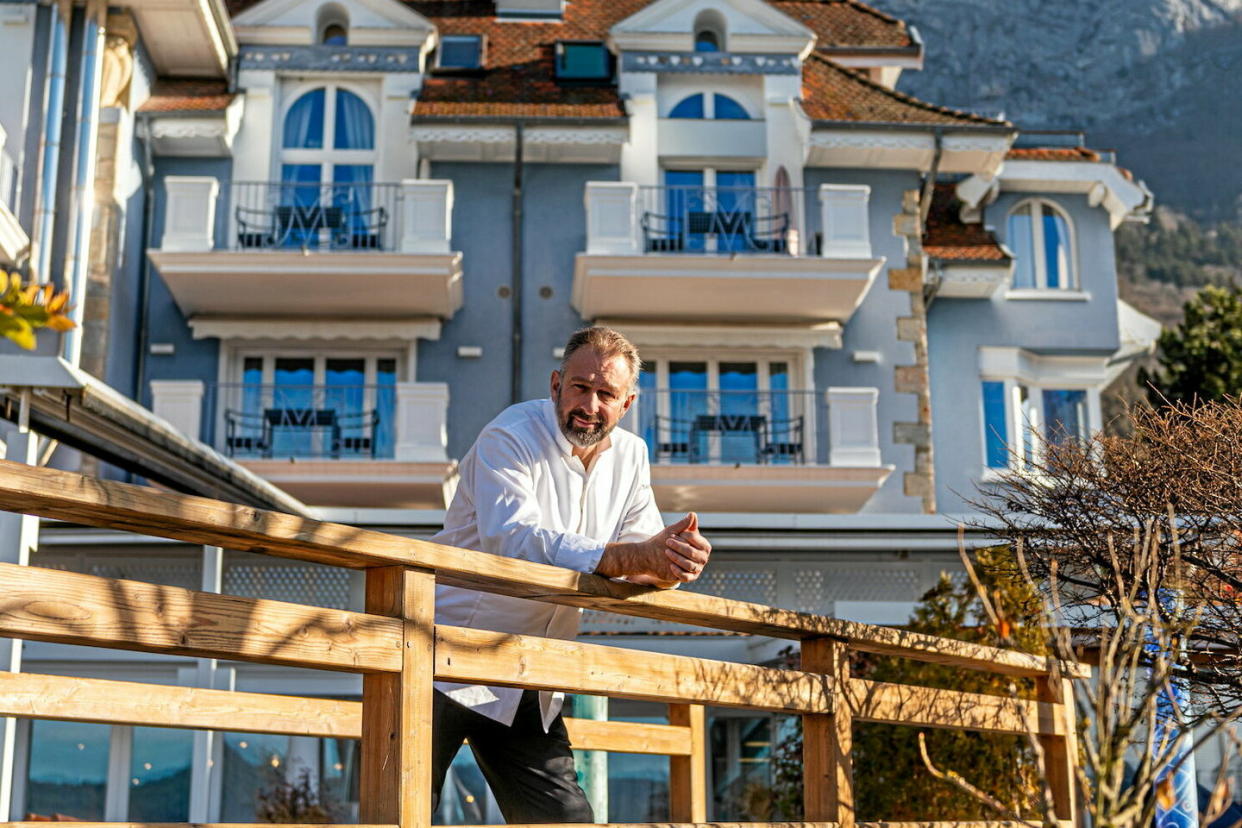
{"x": 530, "y": 772}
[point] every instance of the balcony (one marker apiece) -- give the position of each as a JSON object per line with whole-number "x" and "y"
{"x": 299, "y": 250}
{"x": 723, "y": 253}
{"x": 382, "y": 446}
{"x": 761, "y": 451}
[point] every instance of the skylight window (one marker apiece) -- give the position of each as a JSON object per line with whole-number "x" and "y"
{"x": 461, "y": 52}
{"x": 582, "y": 61}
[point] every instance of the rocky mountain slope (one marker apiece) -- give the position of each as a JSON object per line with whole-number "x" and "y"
{"x": 1159, "y": 80}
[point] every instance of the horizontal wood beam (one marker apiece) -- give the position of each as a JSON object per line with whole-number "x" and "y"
{"x": 71, "y": 608}
{"x": 79, "y": 499}
{"x": 872, "y": 701}
{"x": 481, "y": 656}
{"x": 629, "y": 737}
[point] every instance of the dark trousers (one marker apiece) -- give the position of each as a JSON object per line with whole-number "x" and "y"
{"x": 530, "y": 772}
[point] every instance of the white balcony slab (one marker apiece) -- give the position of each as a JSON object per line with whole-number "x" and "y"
{"x": 740, "y": 287}
{"x": 13, "y": 239}
{"x": 322, "y": 284}
{"x": 388, "y": 484}
{"x": 775, "y": 488}
{"x": 697, "y": 138}
{"x": 965, "y": 281}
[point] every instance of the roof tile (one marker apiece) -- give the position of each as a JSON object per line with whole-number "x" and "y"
{"x": 947, "y": 238}
{"x": 1052, "y": 154}
{"x": 189, "y": 95}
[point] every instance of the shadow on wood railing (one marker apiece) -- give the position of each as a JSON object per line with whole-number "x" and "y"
{"x": 399, "y": 651}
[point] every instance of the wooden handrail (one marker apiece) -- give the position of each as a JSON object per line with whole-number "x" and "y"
{"x": 400, "y": 651}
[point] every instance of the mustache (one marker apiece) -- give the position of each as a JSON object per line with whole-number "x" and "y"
{"x": 579, "y": 413}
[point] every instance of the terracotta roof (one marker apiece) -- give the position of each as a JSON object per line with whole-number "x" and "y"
{"x": 188, "y": 96}
{"x": 831, "y": 92}
{"x": 1052, "y": 154}
{"x": 947, "y": 238}
{"x": 847, "y": 24}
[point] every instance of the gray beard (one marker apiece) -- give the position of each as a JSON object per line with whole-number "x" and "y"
{"x": 579, "y": 437}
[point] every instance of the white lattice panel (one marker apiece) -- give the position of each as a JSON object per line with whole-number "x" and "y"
{"x": 316, "y": 586}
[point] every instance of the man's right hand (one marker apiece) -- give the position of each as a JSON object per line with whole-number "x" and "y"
{"x": 676, "y": 555}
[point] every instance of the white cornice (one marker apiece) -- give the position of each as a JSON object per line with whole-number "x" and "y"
{"x": 753, "y": 26}
{"x": 645, "y": 335}
{"x": 302, "y": 329}
{"x": 915, "y": 148}
{"x": 1042, "y": 369}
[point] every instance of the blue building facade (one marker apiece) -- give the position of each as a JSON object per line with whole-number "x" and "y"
{"x": 332, "y": 240}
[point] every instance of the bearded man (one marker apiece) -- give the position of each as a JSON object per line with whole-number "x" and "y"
{"x": 551, "y": 481}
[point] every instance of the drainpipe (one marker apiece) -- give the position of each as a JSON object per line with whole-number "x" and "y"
{"x": 49, "y": 155}
{"x": 515, "y": 391}
{"x": 929, "y": 183}
{"x": 141, "y": 334}
{"x": 78, "y": 258}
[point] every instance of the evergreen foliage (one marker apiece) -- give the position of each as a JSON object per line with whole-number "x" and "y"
{"x": 890, "y": 781}
{"x": 1200, "y": 359}
{"x": 1180, "y": 252}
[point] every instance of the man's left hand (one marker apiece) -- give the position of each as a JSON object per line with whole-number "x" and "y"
{"x": 689, "y": 550}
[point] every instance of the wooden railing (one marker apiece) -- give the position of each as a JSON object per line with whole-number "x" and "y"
{"x": 399, "y": 651}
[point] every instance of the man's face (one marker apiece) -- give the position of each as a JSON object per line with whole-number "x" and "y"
{"x": 591, "y": 393}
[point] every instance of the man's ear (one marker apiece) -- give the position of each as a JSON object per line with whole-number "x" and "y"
{"x": 629, "y": 400}
{"x": 554, "y": 383}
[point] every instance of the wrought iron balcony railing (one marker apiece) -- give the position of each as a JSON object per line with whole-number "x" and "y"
{"x": 306, "y": 421}
{"x": 720, "y": 219}
{"x": 750, "y": 427}
{"x": 277, "y": 215}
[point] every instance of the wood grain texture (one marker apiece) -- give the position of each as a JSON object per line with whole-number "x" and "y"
{"x": 687, "y": 786}
{"x": 72, "y": 699}
{"x": 828, "y": 739}
{"x": 75, "y": 498}
{"x": 71, "y": 608}
{"x": 628, "y": 737}
{"x": 1060, "y": 750}
{"x": 395, "y": 781}
{"x": 872, "y": 701}
{"x": 483, "y": 657}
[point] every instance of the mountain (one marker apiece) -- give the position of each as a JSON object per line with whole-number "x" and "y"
{"x": 1157, "y": 80}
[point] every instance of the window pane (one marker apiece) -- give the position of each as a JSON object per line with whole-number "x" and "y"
{"x": 728, "y": 109}
{"x": 582, "y": 60}
{"x": 355, "y": 128}
{"x": 159, "y": 774}
{"x": 304, "y": 122}
{"x": 706, "y": 41}
{"x": 338, "y": 774}
{"x": 687, "y": 382}
{"x": 334, "y": 34}
{"x": 252, "y": 762}
{"x": 1020, "y": 242}
{"x": 1056, "y": 248}
{"x": 741, "y": 427}
{"x": 291, "y": 420}
{"x": 1066, "y": 415}
{"x": 68, "y": 769}
{"x": 385, "y": 407}
{"x": 787, "y": 423}
{"x": 691, "y": 107}
{"x": 686, "y": 216}
{"x": 460, "y": 52}
{"x": 995, "y": 426}
{"x": 735, "y": 203}
{"x": 1029, "y": 423}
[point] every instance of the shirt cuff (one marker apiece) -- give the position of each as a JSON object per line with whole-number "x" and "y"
{"x": 579, "y": 553}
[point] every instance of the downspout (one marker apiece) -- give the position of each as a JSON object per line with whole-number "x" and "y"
{"x": 78, "y": 258}
{"x": 49, "y": 156}
{"x": 515, "y": 390}
{"x": 141, "y": 334}
{"x": 929, "y": 183}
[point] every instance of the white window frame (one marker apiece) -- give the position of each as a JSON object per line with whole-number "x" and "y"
{"x": 326, "y": 157}
{"x": 799, "y": 380}
{"x": 1072, "y": 288}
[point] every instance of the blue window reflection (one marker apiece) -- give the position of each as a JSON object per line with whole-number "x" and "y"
{"x": 159, "y": 774}
{"x": 688, "y": 219}
{"x": 355, "y": 127}
{"x": 1056, "y": 248}
{"x": 68, "y": 769}
{"x": 1022, "y": 244}
{"x": 304, "y": 122}
{"x": 728, "y": 109}
{"x": 252, "y": 762}
{"x": 1065, "y": 415}
{"x": 995, "y": 425}
{"x": 689, "y": 107}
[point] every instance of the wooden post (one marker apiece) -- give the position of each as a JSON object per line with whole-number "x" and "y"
{"x": 395, "y": 785}
{"x": 1061, "y": 752}
{"x": 687, "y": 789}
{"x": 827, "y": 739}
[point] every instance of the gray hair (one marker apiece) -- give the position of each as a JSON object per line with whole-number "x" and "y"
{"x": 607, "y": 343}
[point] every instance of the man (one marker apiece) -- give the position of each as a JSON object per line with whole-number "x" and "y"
{"x": 551, "y": 481}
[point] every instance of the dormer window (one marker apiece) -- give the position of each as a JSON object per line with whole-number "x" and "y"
{"x": 718, "y": 107}
{"x": 460, "y": 52}
{"x": 333, "y": 25}
{"x": 709, "y": 32}
{"x": 582, "y": 61}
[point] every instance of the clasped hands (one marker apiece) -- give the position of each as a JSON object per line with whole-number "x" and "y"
{"x": 676, "y": 555}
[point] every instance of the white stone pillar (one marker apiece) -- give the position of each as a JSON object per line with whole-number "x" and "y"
{"x": 190, "y": 213}
{"x": 180, "y": 403}
{"x": 205, "y": 760}
{"x": 853, "y": 431}
{"x": 612, "y": 208}
{"x": 116, "y": 791}
{"x": 426, "y": 216}
{"x": 843, "y": 221}
{"x": 422, "y": 422}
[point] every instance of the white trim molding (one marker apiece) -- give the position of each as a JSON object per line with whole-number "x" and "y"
{"x": 1124, "y": 198}
{"x": 793, "y": 337}
{"x": 315, "y": 329}
{"x": 962, "y": 152}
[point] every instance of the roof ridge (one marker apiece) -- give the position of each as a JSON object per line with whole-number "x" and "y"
{"x": 902, "y": 97}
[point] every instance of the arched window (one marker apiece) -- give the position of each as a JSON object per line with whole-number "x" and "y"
{"x": 332, "y": 24}
{"x": 709, "y": 31}
{"x": 728, "y": 109}
{"x": 353, "y": 124}
{"x": 691, "y": 107}
{"x": 1039, "y": 233}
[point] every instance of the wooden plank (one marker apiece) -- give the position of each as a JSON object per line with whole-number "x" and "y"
{"x": 395, "y": 783}
{"x": 628, "y": 737}
{"x": 72, "y": 699}
{"x": 687, "y": 787}
{"x": 903, "y": 704}
{"x": 484, "y": 657}
{"x": 1060, "y": 750}
{"x": 72, "y": 497}
{"x": 828, "y": 740}
{"x": 71, "y": 608}
{"x": 76, "y": 824}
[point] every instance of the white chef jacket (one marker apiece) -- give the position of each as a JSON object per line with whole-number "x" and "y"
{"x": 523, "y": 494}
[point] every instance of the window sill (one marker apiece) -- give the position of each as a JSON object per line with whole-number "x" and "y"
{"x": 1023, "y": 294}
{"x": 991, "y": 475}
